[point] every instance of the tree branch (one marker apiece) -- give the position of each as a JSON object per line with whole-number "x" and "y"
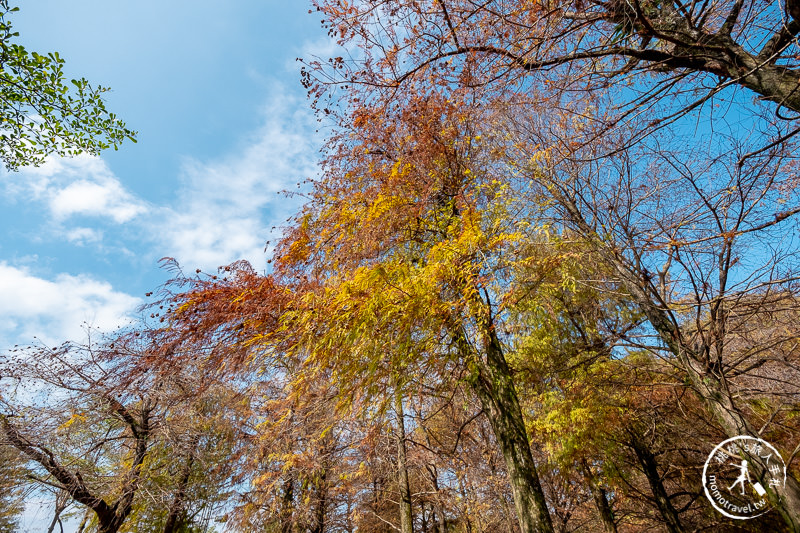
{"x": 779, "y": 40}
{"x": 71, "y": 483}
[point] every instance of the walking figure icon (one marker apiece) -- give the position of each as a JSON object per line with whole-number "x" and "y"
{"x": 726, "y": 464}
{"x": 744, "y": 475}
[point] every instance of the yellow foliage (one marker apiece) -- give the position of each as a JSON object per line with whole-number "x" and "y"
{"x": 76, "y": 417}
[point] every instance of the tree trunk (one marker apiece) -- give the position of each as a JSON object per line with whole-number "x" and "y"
{"x": 177, "y": 514}
{"x": 705, "y": 380}
{"x": 600, "y": 498}
{"x": 648, "y": 463}
{"x": 287, "y": 505}
{"x": 84, "y": 520}
{"x": 603, "y": 507}
{"x": 718, "y": 398}
{"x": 62, "y": 500}
{"x": 438, "y": 506}
{"x": 466, "y": 499}
{"x": 72, "y": 483}
{"x": 109, "y": 526}
{"x": 53, "y": 522}
{"x": 406, "y": 514}
{"x": 322, "y": 503}
{"x": 493, "y": 384}
{"x": 714, "y": 392}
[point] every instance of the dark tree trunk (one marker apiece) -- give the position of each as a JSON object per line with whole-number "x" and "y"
{"x": 322, "y": 503}
{"x": 716, "y": 395}
{"x": 793, "y": 8}
{"x": 604, "y": 508}
{"x": 109, "y": 517}
{"x": 493, "y": 384}
{"x": 287, "y": 506}
{"x": 177, "y": 514}
{"x": 600, "y": 498}
{"x": 648, "y": 463}
{"x": 708, "y": 383}
{"x": 406, "y": 512}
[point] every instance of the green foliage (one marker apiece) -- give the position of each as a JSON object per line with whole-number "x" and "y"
{"x": 562, "y": 346}
{"x": 11, "y": 503}
{"x": 41, "y": 112}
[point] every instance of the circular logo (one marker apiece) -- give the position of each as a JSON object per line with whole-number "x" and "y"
{"x": 738, "y": 473}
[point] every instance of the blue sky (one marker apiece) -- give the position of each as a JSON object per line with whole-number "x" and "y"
{"x": 213, "y": 90}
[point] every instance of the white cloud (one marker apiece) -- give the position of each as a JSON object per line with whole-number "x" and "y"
{"x": 83, "y": 236}
{"x": 82, "y": 185}
{"x": 221, "y": 213}
{"x": 223, "y": 210}
{"x": 56, "y": 310}
{"x": 84, "y": 197}
{"x": 321, "y": 48}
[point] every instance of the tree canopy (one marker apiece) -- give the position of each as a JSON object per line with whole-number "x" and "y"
{"x": 42, "y": 112}
{"x": 549, "y": 263}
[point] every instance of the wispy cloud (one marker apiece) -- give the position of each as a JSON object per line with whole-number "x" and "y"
{"x": 83, "y": 236}
{"x": 225, "y": 208}
{"x": 54, "y": 310}
{"x": 223, "y": 211}
{"x": 105, "y": 199}
{"x": 83, "y": 185}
